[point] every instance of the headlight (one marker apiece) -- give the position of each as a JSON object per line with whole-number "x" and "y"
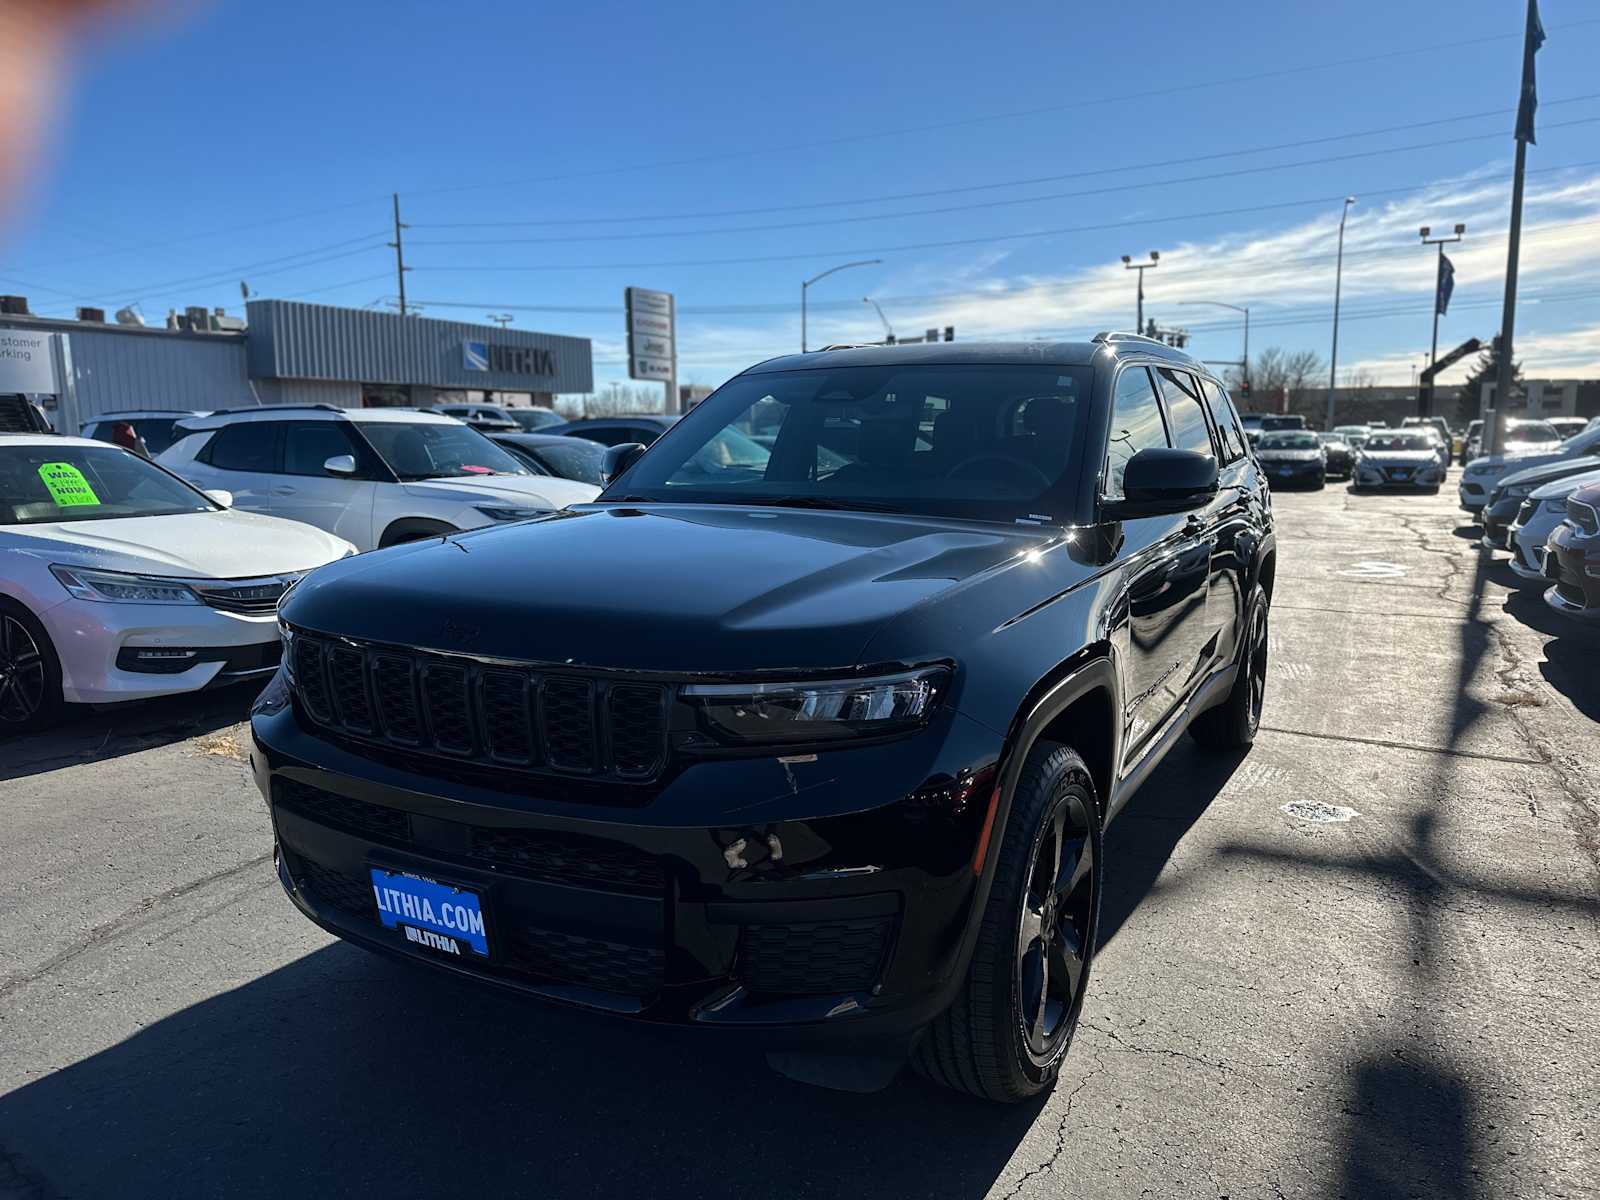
{"x": 1558, "y": 505}
{"x": 1518, "y": 493}
{"x": 111, "y": 586}
{"x": 832, "y": 710}
{"x": 512, "y": 514}
{"x": 1486, "y": 470}
{"x": 286, "y": 636}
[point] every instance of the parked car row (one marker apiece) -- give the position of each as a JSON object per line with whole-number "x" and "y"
{"x": 1539, "y": 504}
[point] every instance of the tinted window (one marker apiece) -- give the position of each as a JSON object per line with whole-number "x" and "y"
{"x": 1136, "y": 425}
{"x": 862, "y": 437}
{"x": 1186, "y": 412}
{"x": 1226, "y": 420}
{"x": 245, "y": 446}
{"x": 580, "y": 460}
{"x": 309, "y": 444}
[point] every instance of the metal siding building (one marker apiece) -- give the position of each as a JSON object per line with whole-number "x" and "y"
{"x": 314, "y": 341}
{"x": 306, "y": 353}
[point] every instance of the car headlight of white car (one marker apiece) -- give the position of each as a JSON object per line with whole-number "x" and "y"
{"x": 114, "y": 587}
{"x": 1557, "y": 506}
{"x": 512, "y": 514}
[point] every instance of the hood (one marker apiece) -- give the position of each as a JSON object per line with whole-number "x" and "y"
{"x": 1548, "y": 472}
{"x": 1400, "y": 458}
{"x": 1560, "y": 489}
{"x": 676, "y": 588}
{"x": 1519, "y": 461}
{"x": 540, "y": 491}
{"x": 1288, "y": 455}
{"x": 206, "y": 545}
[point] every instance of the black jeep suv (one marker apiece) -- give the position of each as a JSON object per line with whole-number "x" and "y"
{"x": 812, "y": 738}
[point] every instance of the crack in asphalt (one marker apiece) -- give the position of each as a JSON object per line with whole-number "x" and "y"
{"x": 134, "y": 918}
{"x": 1391, "y": 744}
{"x": 1049, "y": 1163}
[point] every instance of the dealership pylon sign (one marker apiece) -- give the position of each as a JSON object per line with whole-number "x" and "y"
{"x": 652, "y": 334}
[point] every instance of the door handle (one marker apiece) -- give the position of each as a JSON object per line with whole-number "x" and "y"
{"x": 283, "y": 491}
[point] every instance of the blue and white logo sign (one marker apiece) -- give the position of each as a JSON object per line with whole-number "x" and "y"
{"x": 475, "y": 356}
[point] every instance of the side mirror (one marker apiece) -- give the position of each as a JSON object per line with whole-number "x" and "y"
{"x": 220, "y": 496}
{"x": 618, "y": 459}
{"x": 341, "y": 464}
{"x": 1159, "y": 481}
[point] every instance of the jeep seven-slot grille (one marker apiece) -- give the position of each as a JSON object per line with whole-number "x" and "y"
{"x": 502, "y": 716}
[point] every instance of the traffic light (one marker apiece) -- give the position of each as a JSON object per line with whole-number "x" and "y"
{"x": 949, "y": 333}
{"x": 1244, "y": 389}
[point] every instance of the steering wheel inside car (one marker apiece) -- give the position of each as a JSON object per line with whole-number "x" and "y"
{"x": 1009, "y": 461}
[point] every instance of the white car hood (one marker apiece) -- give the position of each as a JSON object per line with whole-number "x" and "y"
{"x": 1283, "y": 456}
{"x": 205, "y": 545}
{"x": 537, "y": 491}
{"x": 1520, "y": 461}
{"x": 1560, "y": 489}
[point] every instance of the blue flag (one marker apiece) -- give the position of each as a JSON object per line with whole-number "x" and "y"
{"x": 1530, "y": 97}
{"x": 1446, "y": 284}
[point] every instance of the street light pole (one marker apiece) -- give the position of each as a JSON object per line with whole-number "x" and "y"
{"x": 1338, "y": 280}
{"x": 865, "y": 262}
{"x": 1425, "y": 392}
{"x": 1244, "y": 366}
{"x": 1130, "y": 265}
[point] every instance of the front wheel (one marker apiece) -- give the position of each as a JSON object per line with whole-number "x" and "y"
{"x": 1007, "y": 1033}
{"x": 30, "y": 674}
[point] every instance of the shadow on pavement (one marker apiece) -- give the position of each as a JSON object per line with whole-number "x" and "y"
{"x": 89, "y": 735}
{"x": 342, "y": 1073}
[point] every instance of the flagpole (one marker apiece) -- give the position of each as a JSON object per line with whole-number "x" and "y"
{"x": 1532, "y": 38}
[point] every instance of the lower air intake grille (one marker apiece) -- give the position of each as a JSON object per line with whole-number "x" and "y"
{"x": 830, "y": 956}
{"x": 590, "y": 962}
{"x": 569, "y": 858}
{"x": 341, "y": 812}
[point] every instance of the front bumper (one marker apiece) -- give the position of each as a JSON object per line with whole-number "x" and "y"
{"x": 1280, "y": 473}
{"x": 1496, "y": 520}
{"x": 1474, "y": 493}
{"x": 786, "y": 900}
{"x": 98, "y": 644}
{"x": 1569, "y": 557}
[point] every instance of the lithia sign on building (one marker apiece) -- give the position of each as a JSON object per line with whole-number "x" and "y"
{"x": 507, "y": 360}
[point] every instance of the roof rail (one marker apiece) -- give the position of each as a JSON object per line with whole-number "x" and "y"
{"x": 317, "y": 407}
{"x": 1113, "y": 335}
{"x": 850, "y": 346}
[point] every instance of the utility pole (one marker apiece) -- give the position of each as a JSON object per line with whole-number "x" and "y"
{"x": 400, "y": 267}
{"x": 1532, "y": 39}
{"x": 1425, "y": 394}
{"x": 1338, "y": 280}
{"x": 1130, "y": 265}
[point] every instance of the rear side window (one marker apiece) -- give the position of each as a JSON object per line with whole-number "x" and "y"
{"x": 1136, "y": 424}
{"x": 246, "y": 446}
{"x": 1190, "y": 430}
{"x": 1226, "y": 421}
{"x": 307, "y": 445}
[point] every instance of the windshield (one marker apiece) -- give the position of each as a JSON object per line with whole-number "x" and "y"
{"x": 1531, "y": 431}
{"x": 1409, "y": 440}
{"x": 40, "y": 484}
{"x": 570, "y": 458}
{"x": 986, "y": 442}
{"x": 1288, "y": 441}
{"x": 437, "y": 450}
{"x": 1283, "y": 422}
{"x": 530, "y": 419}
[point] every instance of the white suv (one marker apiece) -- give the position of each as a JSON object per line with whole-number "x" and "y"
{"x": 373, "y": 476}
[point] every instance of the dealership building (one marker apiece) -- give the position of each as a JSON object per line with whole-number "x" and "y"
{"x": 283, "y": 352}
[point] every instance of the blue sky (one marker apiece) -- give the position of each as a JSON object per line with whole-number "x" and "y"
{"x": 651, "y": 145}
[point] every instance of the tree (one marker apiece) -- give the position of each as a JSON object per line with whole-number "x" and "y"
{"x": 1485, "y": 370}
{"x": 1277, "y": 375}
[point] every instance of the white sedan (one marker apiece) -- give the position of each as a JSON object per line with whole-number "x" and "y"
{"x": 119, "y": 581}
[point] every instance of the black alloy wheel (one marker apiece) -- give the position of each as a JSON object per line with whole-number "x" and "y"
{"x": 1232, "y": 725}
{"x": 30, "y": 680}
{"x": 1056, "y": 922}
{"x": 1008, "y": 1031}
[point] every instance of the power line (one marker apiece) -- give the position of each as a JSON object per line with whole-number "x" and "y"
{"x": 947, "y": 242}
{"x": 986, "y": 204}
{"x": 1432, "y": 48}
{"x": 1010, "y": 183}
{"x": 265, "y": 266}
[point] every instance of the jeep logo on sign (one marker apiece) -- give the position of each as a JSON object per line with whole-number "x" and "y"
{"x": 508, "y": 360}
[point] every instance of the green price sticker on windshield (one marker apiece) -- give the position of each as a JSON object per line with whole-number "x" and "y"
{"x": 66, "y": 485}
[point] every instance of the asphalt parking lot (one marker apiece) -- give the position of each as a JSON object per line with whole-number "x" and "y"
{"x": 1397, "y": 1003}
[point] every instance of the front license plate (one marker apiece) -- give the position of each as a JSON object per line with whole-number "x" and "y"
{"x": 432, "y": 914}
{"x": 1402, "y": 474}
{"x": 1285, "y": 470}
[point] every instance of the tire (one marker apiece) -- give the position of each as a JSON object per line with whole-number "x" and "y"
{"x": 30, "y": 673}
{"x": 1007, "y": 1033}
{"x": 1319, "y": 485}
{"x": 1232, "y": 724}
